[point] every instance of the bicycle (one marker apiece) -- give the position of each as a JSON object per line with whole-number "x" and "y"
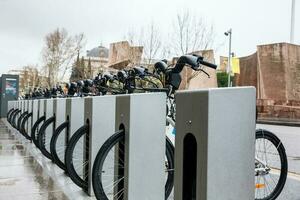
{"x": 263, "y": 168}
{"x": 270, "y": 159}
{"x": 75, "y": 147}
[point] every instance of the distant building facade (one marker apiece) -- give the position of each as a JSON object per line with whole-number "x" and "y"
{"x": 275, "y": 72}
{"x": 118, "y": 56}
{"x": 98, "y": 58}
{"x": 122, "y": 53}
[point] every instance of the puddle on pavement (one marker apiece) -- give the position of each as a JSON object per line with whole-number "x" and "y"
{"x": 21, "y": 176}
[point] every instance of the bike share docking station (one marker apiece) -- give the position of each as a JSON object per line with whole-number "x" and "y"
{"x": 24, "y": 113}
{"x": 12, "y": 106}
{"x": 75, "y": 116}
{"x": 35, "y": 113}
{"x": 15, "y": 113}
{"x": 48, "y": 110}
{"x": 28, "y": 117}
{"x": 215, "y": 137}
{"x": 41, "y": 107}
{"x": 142, "y": 117}
{"x": 100, "y": 116}
{"x": 19, "y": 115}
{"x": 59, "y": 111}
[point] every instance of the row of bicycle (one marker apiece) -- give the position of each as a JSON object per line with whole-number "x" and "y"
{"x": 114, "y": 146}
{"x": 85, "y": 137}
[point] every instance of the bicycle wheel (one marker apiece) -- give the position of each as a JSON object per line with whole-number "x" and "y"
{"x": 14, "y": 124}
{"x": 34, "y": 130}
{"x": 19, "y": 121}
{"x": 44, "y": 137}
{"x": 11, "y": 115}
{"x": 8, "y": 113}
{"x": 58, "y": 145}
{"x": 23, "y": 128}
{"x": 75, "y": 158}
{"x": 106, "y": 184}
{"x": 271, "y": 166}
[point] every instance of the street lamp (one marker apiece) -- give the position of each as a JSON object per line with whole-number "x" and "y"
{"x": 229, "y": 33}
{"x": 292, "y": 33}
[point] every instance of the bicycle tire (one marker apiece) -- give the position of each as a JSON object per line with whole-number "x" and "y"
{"x": 14, "y": 118}
{"x": 34, "y": 130}
{"x": 170, "y": 151}
{"x": 260, "y": 133}
{"x": 53, "y": 142}
{"x": 19, "y": 121}
{"x": 11, "y": 115}
{"x": 41, "y": 137}
{"x": 106, "y": 148}
{"x": 69, "y": 155}
{"x": 8, "y": 113}
{"x": 22, "y": 128}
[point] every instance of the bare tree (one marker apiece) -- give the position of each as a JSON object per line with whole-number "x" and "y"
{"x": 135, "y": 48}
{"x": 149, "y": 38}
{"x": 58, "y": 53}
{"x": 151, "y": 41}
{"x": 191, "y": 34}
{"x": 29, "y": 78}
{"x": 132, "y": 37}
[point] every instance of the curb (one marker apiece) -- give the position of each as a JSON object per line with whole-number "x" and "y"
{"x": 278, "y": 122}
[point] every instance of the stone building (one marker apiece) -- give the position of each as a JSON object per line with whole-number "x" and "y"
{"x": 275, "y": 72}
{"x": 122, "y": 53}
{"x": 118, "y": 56}
{"x": 98, "y": 57}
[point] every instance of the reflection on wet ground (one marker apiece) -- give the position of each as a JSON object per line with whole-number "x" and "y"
{"x": 21, "y": 176}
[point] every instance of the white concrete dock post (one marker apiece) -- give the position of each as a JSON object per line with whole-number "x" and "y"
{"x": 144, "y": 118}
{"x": 48, "y": 107}
{"x": 215, "y": 144}
{"x": 35, "y": 111}
{"x": 59, "y": 111}
{"x": 100, "y": 115}
{"x": 75, "y": 113}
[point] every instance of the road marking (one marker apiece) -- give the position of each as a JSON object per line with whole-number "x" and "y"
{"x": 294, "y": 176}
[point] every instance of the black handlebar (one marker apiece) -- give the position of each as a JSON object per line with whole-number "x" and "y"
{"x": 211, "y": 65}
{"x": 185, "y": 60}
{"x": 193, "y": 60}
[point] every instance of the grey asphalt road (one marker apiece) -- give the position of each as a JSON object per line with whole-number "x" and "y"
{"x": 290, "y": 137}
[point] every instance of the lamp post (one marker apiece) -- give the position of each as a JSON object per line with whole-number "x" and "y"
{"x": 292, "y": 23}
{"x": 229, "y": 33}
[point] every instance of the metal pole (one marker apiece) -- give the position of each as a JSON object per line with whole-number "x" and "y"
{"x": 292, "y": 22}
{"x": 229, "y": 58}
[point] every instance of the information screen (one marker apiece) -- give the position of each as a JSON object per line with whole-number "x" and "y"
{"x": 11, "y": 86}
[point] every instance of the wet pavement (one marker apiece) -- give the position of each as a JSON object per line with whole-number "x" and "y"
{"x": 21, "y": 176}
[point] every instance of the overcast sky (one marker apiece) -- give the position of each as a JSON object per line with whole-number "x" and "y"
{"x": 24, "y": 23}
